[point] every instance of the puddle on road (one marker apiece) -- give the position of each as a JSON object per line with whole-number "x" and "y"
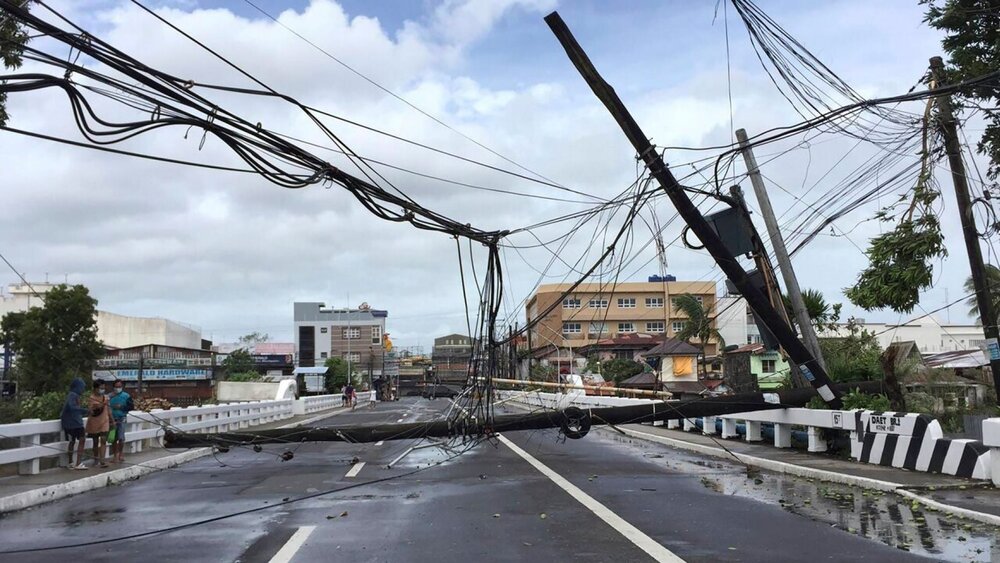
{"x": 82, "y": 517}
{"x": 882, "y": 517}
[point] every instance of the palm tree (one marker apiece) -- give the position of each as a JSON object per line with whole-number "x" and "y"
{"x": 992, "y": 287}
{"x": 699, "y": 322}
{"x": 820, "y": 312}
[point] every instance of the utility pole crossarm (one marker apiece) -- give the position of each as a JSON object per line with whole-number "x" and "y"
{"x": 799, "y": 354}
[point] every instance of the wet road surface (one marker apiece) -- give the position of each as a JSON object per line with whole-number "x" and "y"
{"x": 487, "y": 504}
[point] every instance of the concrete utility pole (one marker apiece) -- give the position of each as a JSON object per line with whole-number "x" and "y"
{"x": 780, "y": 251}
{"x": 987, "y": 314}
{"x": 770, "y": 283}
{"x": 760, "y": 304}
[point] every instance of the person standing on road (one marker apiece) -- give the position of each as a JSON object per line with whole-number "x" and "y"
{"x": 349, "y": 392}
{"x": 99, "y": 421}
{"x": 72, "y": 422}
{"x": 121, "y": 403}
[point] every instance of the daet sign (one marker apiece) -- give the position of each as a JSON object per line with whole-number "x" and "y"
{"x": 888, "y": 423}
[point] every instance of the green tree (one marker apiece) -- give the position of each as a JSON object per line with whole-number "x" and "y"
{"x": 698, "y": 324}
{"x": 248, "y": 341}
{"x": 55, "y": 342}
{"x": 336, "y": 373}
{"x": 821, "y": 313}
{"x": 12, "y": 40}
{"x": 854, "y": 357}
{"x": 972, "y": 44}
{"x": 238, "y": 362}
{"x": 993, "y": 287}
{"x": 543, "y": 373}
{"x": 620, "y": 369}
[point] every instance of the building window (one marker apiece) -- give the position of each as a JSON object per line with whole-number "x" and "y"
{"x": 626, "y": 327}
{"x": 677, "y": 326}
{"x": 322, "y": 354}
{"x": 598, "y": 304}
{"x": 571, "y": 303}
{"x": 626, "y": 303}
{"x": 655, "y": 327}
{"x": 323, "y": 330}
{"x": 352, "y": 333}
{"x": 977, "y": 343}
{"x": 597, "y": 328}
{"x": 654, "y": 302}
{"x": 352, "y": 356}
{"x": 572, "y": 328}
{"x": 624, "y": 355}
{"x": 767, "y": 366}
{"x": 698, "y": 298}
{"x": 376, "y": 334}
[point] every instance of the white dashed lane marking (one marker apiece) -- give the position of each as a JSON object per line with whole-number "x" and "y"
{"x": 293, "y": 544}
{"x": 355, "y": 469}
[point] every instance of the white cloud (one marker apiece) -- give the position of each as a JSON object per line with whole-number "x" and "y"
{"x": 231, "y": 252}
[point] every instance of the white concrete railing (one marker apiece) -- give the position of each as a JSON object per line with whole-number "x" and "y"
{"x": 143, "y": 429}
{"x": 882, "y": 438}
{"x": 991, "y": 439}
{"x": 316, "y": 403}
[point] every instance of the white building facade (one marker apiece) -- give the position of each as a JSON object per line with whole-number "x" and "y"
{"x": 930, "y": 334}
{"x": 356, "y": 335}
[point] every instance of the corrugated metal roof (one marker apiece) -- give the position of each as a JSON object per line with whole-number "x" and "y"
{"x": 956, "y": 359}
{"x": 673, "y": 347}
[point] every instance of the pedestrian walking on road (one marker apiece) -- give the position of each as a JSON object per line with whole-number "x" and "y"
{"x": 72, "y": 422}
{"x": 121, "y": 403}
{"x": 99, "y": 421}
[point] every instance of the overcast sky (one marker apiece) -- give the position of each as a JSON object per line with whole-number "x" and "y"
{"x": 231, "y": 252}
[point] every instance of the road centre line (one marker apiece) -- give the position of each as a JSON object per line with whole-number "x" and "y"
{"x": 293, "y": 544}
{"x": 631, "y": 533}
{"x": 380, "y": 442}
{"x": 355, "y": 469}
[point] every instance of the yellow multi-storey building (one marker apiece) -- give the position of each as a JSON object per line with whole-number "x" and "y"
{"x": 593, "y": 311}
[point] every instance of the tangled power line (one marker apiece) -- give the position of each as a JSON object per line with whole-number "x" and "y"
{"x": 96, "y": 70}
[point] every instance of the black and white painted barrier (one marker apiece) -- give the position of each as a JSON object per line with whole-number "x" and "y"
{"x": 905, "y": 440}
{"x": 916, "y": 442}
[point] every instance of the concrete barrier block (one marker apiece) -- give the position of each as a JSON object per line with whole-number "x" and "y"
{"x": 729, "y": 428}
{"x": 753, "y": 431}
{"x": 817, "y": 443}
{"x": 782, "y": 435}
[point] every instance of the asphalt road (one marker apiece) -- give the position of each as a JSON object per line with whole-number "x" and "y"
{"x": 601, "y": 498}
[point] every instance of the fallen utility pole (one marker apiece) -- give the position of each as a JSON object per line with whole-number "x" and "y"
{"x": 987, "y": 313}
{"x": 780, "y": 251}
{"x": 574, "y": 422}
{"x": 811, "y": 369}
{"x": 597, "y": 389}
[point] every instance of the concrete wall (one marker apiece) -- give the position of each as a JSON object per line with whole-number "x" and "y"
{"x": 236, "y": 391}
{"x": 121, "y": 331}
{"x": 931, "y": 335}
{"x": 731, "y": 320}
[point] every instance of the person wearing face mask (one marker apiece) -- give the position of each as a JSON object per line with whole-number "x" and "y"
{"x": 99, "y": 420}
{"x": 121, "y": 403}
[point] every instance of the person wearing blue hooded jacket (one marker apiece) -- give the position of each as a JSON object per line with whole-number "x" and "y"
{"x": 72, "y": 422}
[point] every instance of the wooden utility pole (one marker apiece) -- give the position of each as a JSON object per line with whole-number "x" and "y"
{"x": 780, "y": 251}
{"x": 949, "y": 130}
{"x": 760, "y": 304}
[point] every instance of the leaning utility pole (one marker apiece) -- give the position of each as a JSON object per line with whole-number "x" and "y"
{"x": 760, "y": 304}
{"x": 949, "y": 130}
{"x": 780, "y": 252}
{"x": 766, "y": 270}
